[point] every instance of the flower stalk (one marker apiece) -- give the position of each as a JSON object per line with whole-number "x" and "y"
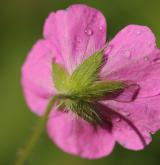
{"x": 33, "y": 140}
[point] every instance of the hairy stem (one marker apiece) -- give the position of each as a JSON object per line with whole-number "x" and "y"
{"x": 35, "y": 135}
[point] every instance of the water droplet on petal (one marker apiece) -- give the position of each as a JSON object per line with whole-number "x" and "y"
{"x": 127, "y": 114}
{"x": 146, "y": 58}
{"x": 138, "y": 32}
{"x": 127, "y": 53}
{"x": 100, "y": 28}
{"x": 118, "y": 119}
{"x": 88, "y": 31}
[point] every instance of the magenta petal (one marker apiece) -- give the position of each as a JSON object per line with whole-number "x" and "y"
{"x": 37, "y": 77}
{"x": 76, "y": 136}
{"x": 137, "y": 120}
{"x": 76, "y": 32}
{"x": 132, "y": 56}
{"x": 129, "y": 93}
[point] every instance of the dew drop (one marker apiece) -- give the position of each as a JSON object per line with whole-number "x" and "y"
{"x": 127, "y": 114}
{"x": 118, "y": 119}
{"x": 100, "y": 28}
{"x": 138, "y": 32}
{"x": 88, "y": 31}
{"x": 146, "y": 58}
{"x": 127, "y": 53}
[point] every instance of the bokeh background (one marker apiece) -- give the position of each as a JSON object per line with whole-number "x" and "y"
{"x": 21, "y": 23}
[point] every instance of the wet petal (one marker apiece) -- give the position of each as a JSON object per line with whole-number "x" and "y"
{"x": 135, "y": 121}
{"x": 76, "y": 32}
{"x": 76, "y": 136}
{"x": 132, "y": 57}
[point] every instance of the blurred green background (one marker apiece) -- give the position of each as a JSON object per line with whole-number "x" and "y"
{"x": 21, "y": 23}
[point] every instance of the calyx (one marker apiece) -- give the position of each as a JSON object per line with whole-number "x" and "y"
{"x": 80, "y": 91}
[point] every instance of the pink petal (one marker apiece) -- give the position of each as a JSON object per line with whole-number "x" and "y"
{"x": 129, "y": 93}
{"x": 76, "y": 136}
{"x": 135, "y": 121}
{"x": 37, "y": 77}
{"x": 132, "y": 56}
{"x": 76, "y": 33}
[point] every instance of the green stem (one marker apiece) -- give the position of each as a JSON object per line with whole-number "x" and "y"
{"x": 35, "y": 135}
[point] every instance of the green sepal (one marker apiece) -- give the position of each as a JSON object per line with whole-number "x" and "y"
{"x": 80, "y": 91}
{"x": 84, "y": 75}
{"x": 60, "y": 77}
{"x": 84, "y": 109}
{"x": 100, "y": 90}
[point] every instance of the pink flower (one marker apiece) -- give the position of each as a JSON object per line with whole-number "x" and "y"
{"x": 71, "y": 36}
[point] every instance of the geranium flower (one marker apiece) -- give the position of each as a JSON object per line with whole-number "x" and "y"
{"x": 112, "y": 97}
